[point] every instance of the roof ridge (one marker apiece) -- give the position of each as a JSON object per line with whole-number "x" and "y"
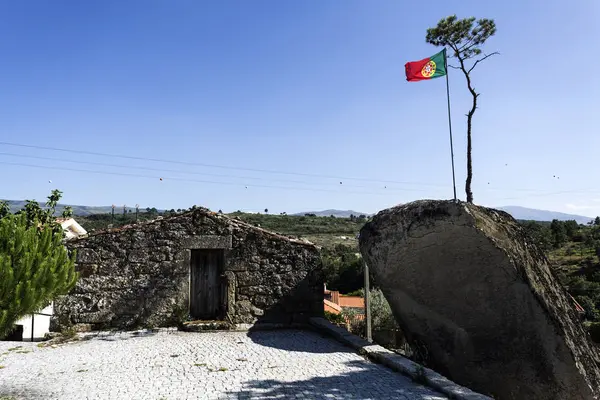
{"x": 207, "y": 212}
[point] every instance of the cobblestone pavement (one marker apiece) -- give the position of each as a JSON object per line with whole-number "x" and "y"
{"x": 218, "y": 365}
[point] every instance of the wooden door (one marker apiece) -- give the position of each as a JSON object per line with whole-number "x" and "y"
{"x": 205, "y": 296}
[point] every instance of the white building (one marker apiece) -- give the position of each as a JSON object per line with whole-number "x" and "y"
{"x": 39, "y": 323}
{"x": 71, "y": 227}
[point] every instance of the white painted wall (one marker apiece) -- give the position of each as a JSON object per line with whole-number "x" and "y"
{"x": 41, "y": 325}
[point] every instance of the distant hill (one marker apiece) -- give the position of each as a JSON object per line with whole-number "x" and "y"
{"x": 521, "y": 213}
{"x": 335, "y": 213}
{"x": 533, "y": 214}
{"x": 16, "y": 205}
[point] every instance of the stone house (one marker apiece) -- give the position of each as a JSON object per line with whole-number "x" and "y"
{"x": 199, "y": 265}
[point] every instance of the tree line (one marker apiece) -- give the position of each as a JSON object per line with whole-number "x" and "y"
{"x": 554, "y": 235}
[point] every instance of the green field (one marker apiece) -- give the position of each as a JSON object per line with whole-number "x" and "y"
{"x": 323, "y": 231}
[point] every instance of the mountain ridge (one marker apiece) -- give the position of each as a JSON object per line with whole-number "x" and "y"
{"x": 334, "y": 212}
{"x": 534, "y": 214}
{"x": 78, "y": 210}
{"x": 517, "y": 212}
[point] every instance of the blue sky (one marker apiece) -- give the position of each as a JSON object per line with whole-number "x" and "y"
{"x": 312, "y": 88}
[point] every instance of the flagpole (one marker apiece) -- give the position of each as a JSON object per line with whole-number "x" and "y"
{"x": 450, "y": 123}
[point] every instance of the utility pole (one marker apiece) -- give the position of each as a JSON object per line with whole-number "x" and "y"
{"x": 137, "y": 211}
{"x": 368, "y": 304}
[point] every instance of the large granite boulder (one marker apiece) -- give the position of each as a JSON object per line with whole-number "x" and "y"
{"x": 477, "y": 300}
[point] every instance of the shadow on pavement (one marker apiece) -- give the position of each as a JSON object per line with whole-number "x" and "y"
{"x": 112, "y": 336}
{"x": 9, "y": 393}
{"x": 298, "y": 340}
{"x": 363, "y": 381}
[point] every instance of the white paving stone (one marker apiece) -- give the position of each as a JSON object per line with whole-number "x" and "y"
{"x": 218, "y": 365}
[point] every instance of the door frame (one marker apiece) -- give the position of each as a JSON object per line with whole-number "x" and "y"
{"x": 209, "y": 242}
{"x": 219, "y": 284}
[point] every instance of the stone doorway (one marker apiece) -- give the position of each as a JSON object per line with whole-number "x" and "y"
{"x": 206, "y": 269}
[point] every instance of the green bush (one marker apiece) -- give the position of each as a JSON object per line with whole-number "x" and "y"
{"x": 594, "y": 330}
{"x": 588, "y": 305}
{"x": 358, "y": 293}
{"x": 343, "y": 268}
{"x": 35, "y": 267}
{"x": 357, "y": 324}
{"x": 337, "y": 319}
{"x": 381, "y": 312}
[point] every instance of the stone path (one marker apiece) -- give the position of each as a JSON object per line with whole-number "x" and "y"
{"x": 176, "y": 365}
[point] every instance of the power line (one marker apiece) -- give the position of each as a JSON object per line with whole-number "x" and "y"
{"x": 241, "y": 169}
{"x": 195, "y": 173}
{"x": 208, "y": 165}
{"x": 543, "y": 192}
{"x": 191, "y": 180}
{"x": 249, "y": 185}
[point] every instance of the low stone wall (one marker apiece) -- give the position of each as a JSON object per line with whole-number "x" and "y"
{"x": 139, "y": 275}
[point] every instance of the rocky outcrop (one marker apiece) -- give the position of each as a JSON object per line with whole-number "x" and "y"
{"x": 139, "y": 275}
{"x": 477, "y": 300}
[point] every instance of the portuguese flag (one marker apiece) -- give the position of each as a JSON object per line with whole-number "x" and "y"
{"x": 427, "y": 68}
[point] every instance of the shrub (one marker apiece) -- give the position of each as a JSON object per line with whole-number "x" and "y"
{"x": 590, "y": 308}
{"x": 337, "y": 319}
{"x": 35, "y": 267}
{"x": 359, "y": 293}
{"x": 381, "y": 312}
{"x": 594, "y": 330}
{"x": 356, "y": 321}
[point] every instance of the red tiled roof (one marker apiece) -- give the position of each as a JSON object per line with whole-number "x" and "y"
{"x": 352, "y": 301}
{"x": 331, "y": 307}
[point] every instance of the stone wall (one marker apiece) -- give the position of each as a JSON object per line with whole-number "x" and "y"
{"x": 139, "y": 275}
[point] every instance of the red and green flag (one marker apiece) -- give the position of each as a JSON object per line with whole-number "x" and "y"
{"x": 427, "y": 68}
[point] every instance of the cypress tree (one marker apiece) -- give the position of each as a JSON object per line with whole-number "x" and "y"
{"x": 35, "y": 267}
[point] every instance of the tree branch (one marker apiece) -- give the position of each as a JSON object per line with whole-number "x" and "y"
{"x": 481, "y": 59}
{"x": 454, "y": 49}
{"x": 453, "y": 66}
{"x": 468, "y": 43}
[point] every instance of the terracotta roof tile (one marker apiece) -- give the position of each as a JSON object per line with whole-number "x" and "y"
{"x": 331, "y": 307}
{"x": 352, "y": 301}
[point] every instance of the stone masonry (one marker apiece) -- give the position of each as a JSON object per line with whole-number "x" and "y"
{"x": 139, "y": 275}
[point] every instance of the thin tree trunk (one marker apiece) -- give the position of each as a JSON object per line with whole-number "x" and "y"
{"x": 469, "y": 147}
{"x": 469, "y": 144}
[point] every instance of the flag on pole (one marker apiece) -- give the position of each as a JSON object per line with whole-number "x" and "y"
{"x": 427, "y": 68}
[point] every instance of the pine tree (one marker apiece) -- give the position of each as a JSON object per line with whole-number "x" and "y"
{"x": 465, "y": 38}
{"x": 35, "y": 267}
